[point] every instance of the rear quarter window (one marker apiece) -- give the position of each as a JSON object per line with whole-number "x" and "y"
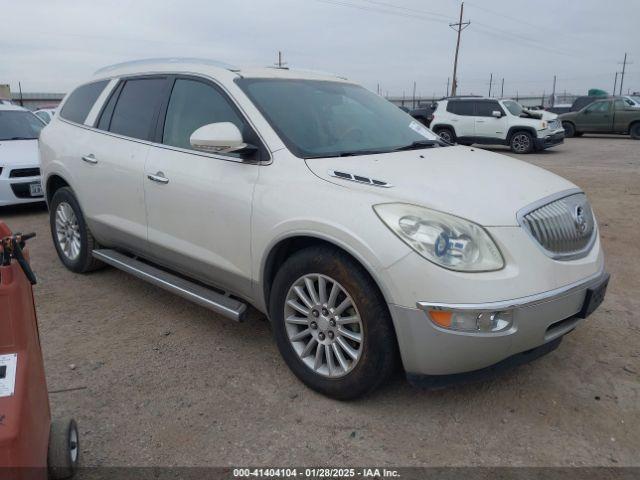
{"x": 81, "y": 100}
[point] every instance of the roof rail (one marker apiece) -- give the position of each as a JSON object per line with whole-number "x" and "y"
{"x": 175, "y": 60}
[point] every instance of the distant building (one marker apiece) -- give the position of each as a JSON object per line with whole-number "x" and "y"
{"x": 33, "y": 101}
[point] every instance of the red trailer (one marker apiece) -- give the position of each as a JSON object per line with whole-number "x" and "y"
{"x": 31, "y": 446}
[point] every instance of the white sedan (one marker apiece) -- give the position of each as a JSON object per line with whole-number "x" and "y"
{"x": 19, "y": 157}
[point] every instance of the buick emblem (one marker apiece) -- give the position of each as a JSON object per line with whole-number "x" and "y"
{"x": 579, "y": 219}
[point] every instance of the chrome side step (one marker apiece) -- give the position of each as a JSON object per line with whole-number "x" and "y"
{"x": 208, "y": 298}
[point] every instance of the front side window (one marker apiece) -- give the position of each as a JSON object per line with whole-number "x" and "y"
{"x": 194, "y": 104}
{"x": 318, "y": 118}
{"x": 79, "y": 104}
{"x": 622, "y": 104}
{"x": 486, "y": 109}
{"x": 137, "y": 106}
{"x": 19, "y": 125}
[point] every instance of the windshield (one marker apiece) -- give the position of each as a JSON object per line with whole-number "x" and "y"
{"x": 19, "y": 125}
{"x": 636, "y": 98}
{"x": 514, "y": 107}
{"x": 324, "y": 119}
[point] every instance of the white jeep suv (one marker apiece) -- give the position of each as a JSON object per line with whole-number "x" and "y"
{"x": 360, "y": 234}
{"x": 469, "y": 120}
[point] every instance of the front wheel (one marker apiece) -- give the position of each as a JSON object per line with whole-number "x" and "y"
{"x": 635, "y": 131}
{"x": 521, "y": 142}
{"x": 331, "y": 324}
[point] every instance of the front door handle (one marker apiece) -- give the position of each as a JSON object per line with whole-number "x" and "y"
{"x": 90, "y": 159}
{"x": 158, "y": 178}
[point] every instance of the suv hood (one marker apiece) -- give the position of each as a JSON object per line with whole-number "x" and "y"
{"x": 480, "y": 186}
{"x": 19, "y": 152}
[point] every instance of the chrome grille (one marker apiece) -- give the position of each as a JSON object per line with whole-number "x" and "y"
{"x": 564, "y": 228}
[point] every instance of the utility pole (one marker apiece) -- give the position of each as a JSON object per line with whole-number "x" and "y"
{"x": 458, "y": 28}
{"x": 624, "y": 67}
{"x": 20, "y": 89}
{"x": 553, "y": 95}
{"x": 490, "y": 84}
{"x": 378, "y": 89}
{"x": 502, "y": 89}
{"x": 280, "y": 63}
{"x": 414, "y": 95}
{"x": 615, "y": 83}
{"x": 447, "y": 92}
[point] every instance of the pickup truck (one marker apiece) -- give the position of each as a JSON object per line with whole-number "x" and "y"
{"x": 612, "y": 115}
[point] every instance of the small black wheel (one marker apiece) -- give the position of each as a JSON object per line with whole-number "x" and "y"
{"x": 635, "y": 131}
{"x": 71, "y": 235}
{"x": 569, "y": 129}
{"x": 446, "y": 134}
{"x": 331, "y": 323}
{"x": 64, "y": 449}
{"x": 521, "y": 142}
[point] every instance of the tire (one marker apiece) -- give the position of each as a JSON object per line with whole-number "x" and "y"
{"x": 634, "y": 131}
{"x": 447, "y": 134}
{"x": 64, "y": 449}
{"x": 521, "y": 142}
{"x": 377, "y": 354}
{"x": 69, "y": 227}
{"x": 569, "y": 130}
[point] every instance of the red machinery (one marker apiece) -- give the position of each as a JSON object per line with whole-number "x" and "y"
{"x": 31, "y": 446}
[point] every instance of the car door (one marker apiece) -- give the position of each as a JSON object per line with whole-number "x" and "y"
{"x": 622, "y": 113}
{"x": 199, "y": 204}
{"x": 112, "y": 167}
{"x": 597, "y": 117}
{"x": 462, "y": 120}
{"x": 487, "y": 125}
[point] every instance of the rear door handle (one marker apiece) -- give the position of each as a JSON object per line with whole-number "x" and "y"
{"x": 158, "y": 178}
{"x": 90, "y": 159}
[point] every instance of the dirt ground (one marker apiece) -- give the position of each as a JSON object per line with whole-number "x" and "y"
{"x": 155, "y": 380}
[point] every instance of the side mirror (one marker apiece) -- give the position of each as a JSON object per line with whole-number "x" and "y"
{"x": 497, "y": 113}
{"x": 222, "y": 137}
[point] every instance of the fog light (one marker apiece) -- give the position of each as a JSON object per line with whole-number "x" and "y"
{"x": 472, "y": 321}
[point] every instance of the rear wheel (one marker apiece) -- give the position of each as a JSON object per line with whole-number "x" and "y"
{"x": 71, "y": 235}
{"x": 635, "y": 131}
{"x": 569, "y": 130}
{"x": 521, "y": 142}
{"x": 446, "y": 134}
{"x": 64, "y": 449}
{"x": 331, "y": 324}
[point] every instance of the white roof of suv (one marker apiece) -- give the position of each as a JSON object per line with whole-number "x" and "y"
{"x": 215, "y": 68}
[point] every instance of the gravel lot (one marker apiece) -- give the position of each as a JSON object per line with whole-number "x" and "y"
{"x": 155, "y": 380}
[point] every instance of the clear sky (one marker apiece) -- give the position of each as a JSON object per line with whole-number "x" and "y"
{"x": 52, "y": 45}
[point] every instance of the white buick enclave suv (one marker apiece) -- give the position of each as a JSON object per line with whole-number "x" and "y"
{"x": 360, "y": 234}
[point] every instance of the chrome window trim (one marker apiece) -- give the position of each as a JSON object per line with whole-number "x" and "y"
{"x": 522, "y": 302}
{"x": 246, "y": 118}
{"x": 545, "y": 201}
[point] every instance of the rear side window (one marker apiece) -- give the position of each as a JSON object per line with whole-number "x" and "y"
{"x": 81, "y": 100}
{"x": 137, "y": 106}
{"x": 194, "y": 104}
{"x": 461, "y": 107}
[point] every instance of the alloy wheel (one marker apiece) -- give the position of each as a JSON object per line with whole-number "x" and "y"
{"x": 521, "y": 143}
{"x": 323, "y": 325}
{"x": 67, "y": 231}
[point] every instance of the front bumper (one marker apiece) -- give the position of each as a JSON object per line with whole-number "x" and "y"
{"x": 550, "y": 140}
{"x": 427, "y": 349}
{"x": 15, "y": 190}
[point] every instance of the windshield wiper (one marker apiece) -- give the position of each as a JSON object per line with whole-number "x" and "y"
{"x": 356, "y": 153}
{"x": 19, "y": 138}
{"x": 421, "y": 144}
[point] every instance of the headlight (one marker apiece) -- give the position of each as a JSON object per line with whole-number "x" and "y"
{"x": 449, "y": 241}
